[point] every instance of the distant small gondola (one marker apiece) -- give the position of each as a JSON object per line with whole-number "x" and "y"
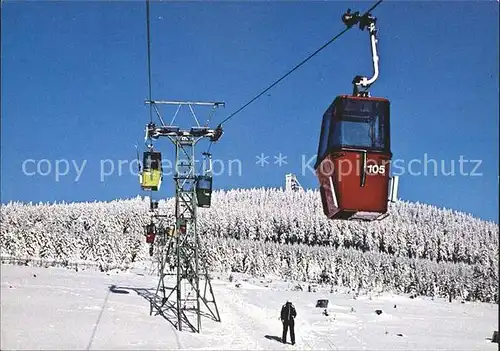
{"x": 204, "y": 185}
{"x": 151, "y": 175}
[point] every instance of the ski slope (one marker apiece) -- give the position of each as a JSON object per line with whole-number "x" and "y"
{"x": 56, "y": 308}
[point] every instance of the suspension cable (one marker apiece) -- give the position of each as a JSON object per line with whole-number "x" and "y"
{"x": 290, "y": 72}
{"x": 150, "y": 144}
{"x": 296, "y": 67}
{"x": 279, "y": 80}
{"x": 283, "y": 77}
{"x": 149, "y": 61}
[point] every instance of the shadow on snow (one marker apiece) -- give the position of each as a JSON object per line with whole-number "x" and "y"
{"x": 161, "y": 305}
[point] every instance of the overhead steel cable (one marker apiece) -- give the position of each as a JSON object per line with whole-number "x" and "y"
{"x": 149, "y": 61}
{"x": 283, "y": 77}
{"x": 296, "y": 67}
{"x": 291, "y": 71}
{"x": 148, "y": 34}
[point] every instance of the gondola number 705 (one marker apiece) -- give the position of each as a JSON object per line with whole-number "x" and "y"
{"x": 374, "y": 169}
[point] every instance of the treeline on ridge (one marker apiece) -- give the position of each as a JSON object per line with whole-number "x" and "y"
{"x": 111, "y": 234}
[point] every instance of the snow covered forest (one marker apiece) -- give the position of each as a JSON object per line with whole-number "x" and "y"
{"x": 419, "y": 249}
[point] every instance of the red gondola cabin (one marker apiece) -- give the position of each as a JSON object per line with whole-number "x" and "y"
{"x": 150, "y": 233}
{"x": 354, "y": 157}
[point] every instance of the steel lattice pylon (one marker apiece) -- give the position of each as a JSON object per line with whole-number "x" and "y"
{"x": 179, "y": 250}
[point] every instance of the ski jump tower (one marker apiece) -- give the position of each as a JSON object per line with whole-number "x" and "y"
{"x": 291, "y": 183}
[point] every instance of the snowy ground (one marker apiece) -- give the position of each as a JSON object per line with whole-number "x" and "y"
{"x": 54, "y": 308}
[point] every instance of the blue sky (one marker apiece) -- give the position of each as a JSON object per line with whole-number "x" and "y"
{"x": 74, "y": 81}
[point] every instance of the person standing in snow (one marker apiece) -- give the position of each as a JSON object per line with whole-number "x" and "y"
{"x": 288, "y": 314}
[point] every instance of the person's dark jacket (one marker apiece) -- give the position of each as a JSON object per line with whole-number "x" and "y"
{"x": 288, "y": 312}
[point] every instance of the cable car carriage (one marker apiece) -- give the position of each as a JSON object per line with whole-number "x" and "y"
{"x": 354, "y": 153}
{"x": 204, "y": 182}
{"x": 204, "y": 185}
{"x": 151, "y": 175}
{"x": 150, "y": 233}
